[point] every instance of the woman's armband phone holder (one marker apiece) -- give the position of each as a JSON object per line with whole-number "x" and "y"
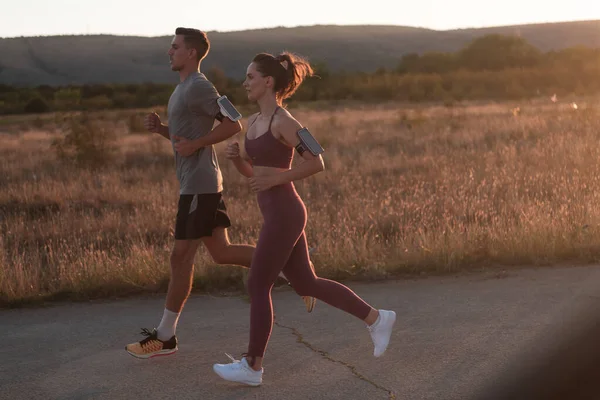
{"x": 308, "y": 142}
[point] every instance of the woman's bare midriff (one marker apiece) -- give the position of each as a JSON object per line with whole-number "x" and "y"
{"x": 267, "y": 171}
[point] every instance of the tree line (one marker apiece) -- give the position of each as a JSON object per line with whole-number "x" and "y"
{"x": 490, "y": 67}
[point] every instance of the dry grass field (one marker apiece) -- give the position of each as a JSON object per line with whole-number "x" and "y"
{"x": 407, "y": 189}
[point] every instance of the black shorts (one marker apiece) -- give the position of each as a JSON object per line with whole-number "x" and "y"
{"x": 199, "y": 214}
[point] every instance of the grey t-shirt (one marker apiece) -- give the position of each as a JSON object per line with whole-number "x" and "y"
{"x": 192, "y": 110}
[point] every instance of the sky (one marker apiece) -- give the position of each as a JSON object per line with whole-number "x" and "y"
{"x": 159, "y": 18}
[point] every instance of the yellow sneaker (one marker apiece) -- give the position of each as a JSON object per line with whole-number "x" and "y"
{"x": 310, "y": 302}
{"x": 151, "y": 346}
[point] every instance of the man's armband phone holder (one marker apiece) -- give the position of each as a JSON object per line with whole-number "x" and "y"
{"x": 227, "y": 109}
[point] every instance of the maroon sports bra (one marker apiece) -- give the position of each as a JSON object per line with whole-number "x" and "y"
{"x": 267, "y": 151}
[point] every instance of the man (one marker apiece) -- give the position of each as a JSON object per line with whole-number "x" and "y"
{"x": 201, "y": 215}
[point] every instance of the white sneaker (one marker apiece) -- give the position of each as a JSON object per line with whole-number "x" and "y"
{"x": 381, "y": 331}
{"x": 239, "y": 371}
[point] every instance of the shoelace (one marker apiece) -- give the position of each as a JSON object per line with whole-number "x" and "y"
{"x": 233, "y": 360}
{"x": 147, "y": 332}
{"x": 151, "y": 335}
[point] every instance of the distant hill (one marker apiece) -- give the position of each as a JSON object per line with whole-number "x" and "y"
{"x": 61, "y": 60}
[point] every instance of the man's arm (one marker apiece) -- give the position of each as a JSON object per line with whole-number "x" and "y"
{"x": 220, "y": 133}
{"x": 201, "y": 99}
{"x": 152, "y": 124}
{"x": 163, "y": 131}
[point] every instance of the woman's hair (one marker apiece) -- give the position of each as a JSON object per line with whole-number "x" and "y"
{"x": 287, "y": 69}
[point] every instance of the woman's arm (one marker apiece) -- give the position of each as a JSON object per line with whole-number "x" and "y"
{"x": 285, "y": 129}
{"x": 244, "y": 167}
{"x": 237, "y": 154}
{"x": 233, "y": 153}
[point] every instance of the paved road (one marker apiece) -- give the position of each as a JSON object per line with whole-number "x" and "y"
{"x": 453, "y": 334}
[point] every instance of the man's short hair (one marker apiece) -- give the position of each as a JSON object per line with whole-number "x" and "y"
{"x": 196, "y": 39}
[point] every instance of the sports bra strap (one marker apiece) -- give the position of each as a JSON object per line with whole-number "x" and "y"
{"x": 253, "y": 121}
{"x": 273, "y": 116}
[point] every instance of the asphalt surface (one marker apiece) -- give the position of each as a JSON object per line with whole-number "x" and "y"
{"x": 453, "y": 336}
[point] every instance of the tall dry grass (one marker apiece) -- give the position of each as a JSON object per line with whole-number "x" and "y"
{"x": 418, "y": 190}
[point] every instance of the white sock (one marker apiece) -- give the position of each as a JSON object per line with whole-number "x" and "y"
{"x": 167, "y": 326}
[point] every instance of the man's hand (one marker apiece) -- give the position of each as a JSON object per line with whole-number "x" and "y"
{"x": 232, "y": 151}
{"x": 152, "y": 123}
{"x": 185, "y": 147}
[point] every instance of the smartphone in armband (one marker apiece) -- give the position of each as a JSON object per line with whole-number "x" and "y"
{"x": 308, "y": 142}
{"x": 227, "y": 109}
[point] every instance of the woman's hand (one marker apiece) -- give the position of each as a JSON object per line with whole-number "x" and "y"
{"x": 232, "y": 151}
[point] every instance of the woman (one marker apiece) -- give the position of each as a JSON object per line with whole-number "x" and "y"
{"x": 268, "y": 148}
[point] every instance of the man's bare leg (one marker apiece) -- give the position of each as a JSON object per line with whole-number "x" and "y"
{"x": 163, "y": 341}
{"x": 182, "y": 270}
{"x": 223, "y": 252}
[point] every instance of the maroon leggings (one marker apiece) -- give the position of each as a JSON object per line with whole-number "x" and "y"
{"x": 282, "y": 246}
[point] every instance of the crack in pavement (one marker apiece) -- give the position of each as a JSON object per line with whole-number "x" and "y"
{"x": 324, "y": 354}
